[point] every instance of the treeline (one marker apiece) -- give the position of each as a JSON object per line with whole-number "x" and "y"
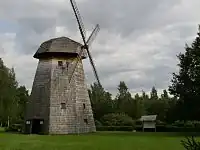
{"x": 128, "y": 106}
{"x": 12, "y": 97}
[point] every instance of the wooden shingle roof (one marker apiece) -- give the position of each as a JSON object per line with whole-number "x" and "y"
{"x": 62, "y": 45}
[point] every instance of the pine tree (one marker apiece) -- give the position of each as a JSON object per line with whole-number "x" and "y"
{"x": 154, "y": 95}
{"x": 123, "y": 98}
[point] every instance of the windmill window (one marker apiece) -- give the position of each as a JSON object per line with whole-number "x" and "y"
{"x": 60, "y": 63}
{"x": 86, "y": 121}
{"x": 83, "y": 105}
{"x": 63, "y": 106}
{"x": 67, "y": 64}
{"x": 41, "y": 122}
{"x": 28, "y": 122}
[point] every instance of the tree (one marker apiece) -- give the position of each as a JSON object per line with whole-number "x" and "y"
{"x": 12, "y": 97}
{"x": 8, "y": 85}
{"x": 23, "y": 95}
{"x": 138, "y": 106}
{"x": 186, "y": 83}
{"x": 124, "y": 101}
{"x": 145, "y": 102}
{"x": 117, "y": 119}
{"x": 3, "y": 88}
{"x": 154, "y": 95}
{"x": 165, "y": 95}
{"x": 101, "y": 101}
{"x": 157, "y": 106}
{"x": 151, "y": 103}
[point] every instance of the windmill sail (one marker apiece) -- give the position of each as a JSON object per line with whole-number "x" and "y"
{"x": 90, "y": 39}
{"x": 79, "y": 20}
{"x": 93, "y": 35}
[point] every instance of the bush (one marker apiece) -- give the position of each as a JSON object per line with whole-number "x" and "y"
{"x": 193, "y": 124}
{"x": 14, "y": 128}
{"x": 98, "y": 123}
{"x": 158, "y": 122}
{"x": 179, "y": 123}
{"x": 114, "y": 128}
{"x": 171, "y": 128}
{"x": 190, "y": 144}
{"x": 117, "y": 119}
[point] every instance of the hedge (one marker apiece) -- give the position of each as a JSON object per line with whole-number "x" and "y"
{"x": 159, "y": 128}
{"x": 114, "y": 128}
{"x": 14, "y": 128}
{"x": 170, "y": 128}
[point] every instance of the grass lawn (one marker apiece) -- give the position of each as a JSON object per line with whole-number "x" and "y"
{"x": 95, "y": 141}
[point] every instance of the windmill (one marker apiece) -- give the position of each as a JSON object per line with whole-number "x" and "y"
{"x": 59, "y": 102}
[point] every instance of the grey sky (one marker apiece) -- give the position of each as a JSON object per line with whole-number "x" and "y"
{"x": 138, "y": 41}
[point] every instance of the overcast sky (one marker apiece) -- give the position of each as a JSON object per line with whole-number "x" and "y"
{"x": 138, "y": 41}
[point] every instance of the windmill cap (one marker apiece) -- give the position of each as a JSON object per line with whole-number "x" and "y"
{"x": 59, "y": 47}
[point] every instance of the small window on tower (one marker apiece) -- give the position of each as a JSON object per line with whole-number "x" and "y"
{"x": 86, "y": 121}
{"x": 63, "y": 106}
{"x": 67, "y": 65}
{"x": 60, "y": 63}
{"x": 83, "y": 105}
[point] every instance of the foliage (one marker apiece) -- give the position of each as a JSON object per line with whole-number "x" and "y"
{"x": 186, "y": 83}
{"x": 154, "y": 95}
{"x": 181, "y": 123}
{"x": 101, "y": 101}
{"x": 117, "y": 119}
{"x": 158, "y": 106}
{"x": 98, "y": 123}
{"x": 14, "y": 128}
{"x": 190, "y": 143}
{"x": 123, "y": 98}
{"x": 125, "y": 103}
{"x": 173, "y": 129}
{"x": 115, "y": 128}
{"x": 12, "y": 97}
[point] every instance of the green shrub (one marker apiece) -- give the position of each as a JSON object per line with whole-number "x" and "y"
{"x": 117, "y": 119}
{"x": 193, "y": 124}
{"x": 171, "y": 128}
{"x": 179, "y": 123}
{"x": 190, "y": 144}
{"x": 158, "y": 122}
{"x": 98, "y": 123}
{"x": 114, "y": 128}
{"x": 14, "y": 128}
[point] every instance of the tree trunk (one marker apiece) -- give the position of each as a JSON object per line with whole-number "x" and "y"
{"x": 8, "y": 122}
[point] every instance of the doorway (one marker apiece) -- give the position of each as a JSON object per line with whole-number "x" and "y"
{"x": 37, "y": 126}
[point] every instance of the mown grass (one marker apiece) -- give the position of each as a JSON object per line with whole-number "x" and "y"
{"x": 94, "y": 141}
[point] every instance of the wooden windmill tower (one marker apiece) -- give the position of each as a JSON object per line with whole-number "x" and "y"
{"x": 59, "y": 101}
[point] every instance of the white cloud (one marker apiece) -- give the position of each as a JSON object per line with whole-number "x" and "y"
{"x": 138, "y": 41}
